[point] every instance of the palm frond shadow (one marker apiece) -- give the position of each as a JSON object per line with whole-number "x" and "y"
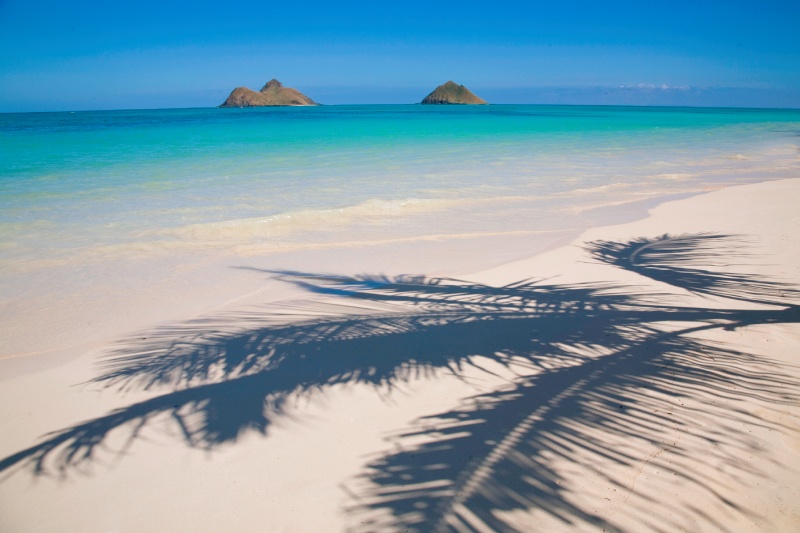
{"x": 696, "y": 262}
{"x": 653, "y": 388}
{"x": 595, "y": 363}
{"x": 225, "y": 381}
{"x": 497, "y": 453}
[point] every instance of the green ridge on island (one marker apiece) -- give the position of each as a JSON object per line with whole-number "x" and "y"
{"x": 452, "y": 93}
{"x": 272, "y": 94}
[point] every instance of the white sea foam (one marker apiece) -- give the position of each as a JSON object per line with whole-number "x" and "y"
{"x": 294, "y": 222}
{"x": 264, "y": 249}
{"x": 676, "y": 176}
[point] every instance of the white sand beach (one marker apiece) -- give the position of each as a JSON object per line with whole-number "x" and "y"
{"x": 644, "y": 377}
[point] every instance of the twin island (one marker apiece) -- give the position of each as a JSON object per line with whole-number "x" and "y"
{"x": 275, "y": 94}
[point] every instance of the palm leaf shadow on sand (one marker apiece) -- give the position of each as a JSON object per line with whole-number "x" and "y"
{"x": 654, "y": 388}
{"x": 597, "y": 367}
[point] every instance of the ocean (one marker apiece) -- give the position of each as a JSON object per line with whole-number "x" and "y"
{"x": 89, "y": 199}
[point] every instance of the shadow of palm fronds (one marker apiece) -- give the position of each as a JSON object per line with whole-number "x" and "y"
{"x": 602, "y": 369}
{"x": 699, "y": 263}
{"x": 659, "y": 388}
{"x": 508, "y": 451}
{"x": 234, "y": 374}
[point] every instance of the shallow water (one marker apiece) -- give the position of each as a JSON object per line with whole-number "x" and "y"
{"x": 98, "y": 188}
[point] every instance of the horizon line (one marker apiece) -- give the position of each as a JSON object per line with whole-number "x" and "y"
{"x": 661, "y": 106}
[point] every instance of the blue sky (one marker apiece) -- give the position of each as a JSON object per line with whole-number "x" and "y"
{"x": 137, "y": 54}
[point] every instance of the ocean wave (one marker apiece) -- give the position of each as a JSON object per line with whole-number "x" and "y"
{"x": 291, "y": 222}
{"x": 674, "y": 176}
{"x": 261, "y": 249}
{"x": 599, "y": 189}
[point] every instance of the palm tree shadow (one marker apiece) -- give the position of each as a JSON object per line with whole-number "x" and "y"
{"x": 679, "y": 260}
{"x": 594, "y": 360}
{"x": 226, "y": 381}
{"x": 498, "y": 452}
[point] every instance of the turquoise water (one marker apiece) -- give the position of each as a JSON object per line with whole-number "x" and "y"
{"x": 282, "y": 178}
{"x": 112, "y": 221}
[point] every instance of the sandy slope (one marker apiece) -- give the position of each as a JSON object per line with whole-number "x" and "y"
{"x": 632, "y": 384}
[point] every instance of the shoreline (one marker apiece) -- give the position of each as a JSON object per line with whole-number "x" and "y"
{"x": 143, "y": 306}
{"x": 692, "y": 449}
{"x": 116, "y": 224}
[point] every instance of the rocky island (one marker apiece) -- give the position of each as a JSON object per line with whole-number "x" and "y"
{"x": 272, "y": 94}
{"x": 452, "y": 93}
